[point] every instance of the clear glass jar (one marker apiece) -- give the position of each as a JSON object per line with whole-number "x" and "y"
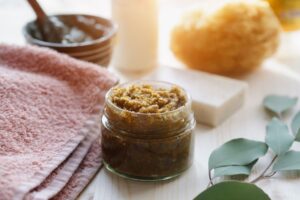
{"x": 154, "y": 146}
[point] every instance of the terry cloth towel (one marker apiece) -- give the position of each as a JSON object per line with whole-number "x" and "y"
{"x": 58, "y": 179}
{"x": 83, "y": 174}
{"x": 49, "y": 111}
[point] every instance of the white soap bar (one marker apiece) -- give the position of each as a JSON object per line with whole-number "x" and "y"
{"x": 214, "y": 97}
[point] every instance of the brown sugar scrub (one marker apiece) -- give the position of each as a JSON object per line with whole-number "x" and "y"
{"x": 147, "y": 131}
{"x": 147, "y": 99}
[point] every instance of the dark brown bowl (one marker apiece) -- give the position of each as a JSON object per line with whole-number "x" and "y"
{"x": 103, "y": 30}
{"x": 99, "y": 51}
{"x": 101, "y": 61}
{"x": 93, "y": 57}
{"x": 91, "y": 53}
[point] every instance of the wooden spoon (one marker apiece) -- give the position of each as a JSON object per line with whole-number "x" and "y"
{"x": 49, "y": 31}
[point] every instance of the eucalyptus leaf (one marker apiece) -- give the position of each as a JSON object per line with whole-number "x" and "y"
{"x": 279, "y": 104}
{"x": 297, "y": 136}
{"x": 234, "y": 170}
{"x": 296, "y": 123}
{"x": 288, "y": 162}
{"x": 278, "y": 137}
{"x": 233, "y": 190}
{"x": 237, "y": 152}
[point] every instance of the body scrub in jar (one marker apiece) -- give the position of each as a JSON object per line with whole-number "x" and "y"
{"x": 147, "y": 131}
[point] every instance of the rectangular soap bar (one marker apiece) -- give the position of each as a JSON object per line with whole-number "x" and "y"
{"x": 215, "y": 98}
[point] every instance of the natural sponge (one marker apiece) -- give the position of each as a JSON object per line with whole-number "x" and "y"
{"x": 233, "y": 39}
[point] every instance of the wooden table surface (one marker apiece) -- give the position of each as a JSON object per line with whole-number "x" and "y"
{"x": 248, "y": 122}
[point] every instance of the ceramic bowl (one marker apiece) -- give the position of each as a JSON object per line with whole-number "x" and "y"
{"x": 97, "y": 51}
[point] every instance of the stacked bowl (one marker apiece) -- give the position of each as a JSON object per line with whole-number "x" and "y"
{"x": 97, "y": 50}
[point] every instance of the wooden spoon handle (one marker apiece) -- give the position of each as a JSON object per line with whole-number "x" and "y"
{"x": 40, "y": 13}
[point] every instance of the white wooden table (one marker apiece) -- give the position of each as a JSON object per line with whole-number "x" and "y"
{"x": 248, "y": 122}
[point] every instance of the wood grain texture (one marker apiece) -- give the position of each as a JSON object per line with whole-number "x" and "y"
{"x": 249, "y": 122}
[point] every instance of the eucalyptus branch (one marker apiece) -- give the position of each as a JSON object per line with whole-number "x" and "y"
{"x": 210, "y": 179}
{"x": 223, "y": 162}
{"x": 270, "y": 175}
{"x": 263, "y": 174}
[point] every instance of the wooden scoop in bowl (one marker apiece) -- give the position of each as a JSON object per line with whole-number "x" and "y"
{"x": 52, "y": 30}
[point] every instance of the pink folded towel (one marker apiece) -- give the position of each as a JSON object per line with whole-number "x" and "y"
{"x": 58, "y": 179}
{"x": 49, "y": 122}
{"x": 83, "y": 174}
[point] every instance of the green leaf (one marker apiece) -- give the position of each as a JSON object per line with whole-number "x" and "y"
{"x": 233, "y": 190}
{"x": 278, "y": 137}
{"x": 278, "y": 104}
{"x": 297, "y": 137}
{"x": 288, "y": 161}
{"x": 234, "y": 170}
{"x": 237, "y": 152}
{"x": 296, "y": 123}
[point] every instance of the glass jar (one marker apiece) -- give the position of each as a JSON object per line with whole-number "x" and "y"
{"x": 147, "y": 146}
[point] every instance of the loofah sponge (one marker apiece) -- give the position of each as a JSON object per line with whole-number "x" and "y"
{"x": 233, "y": 39}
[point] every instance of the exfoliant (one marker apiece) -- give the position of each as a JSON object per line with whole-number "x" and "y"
{"x": 147, "y": 131}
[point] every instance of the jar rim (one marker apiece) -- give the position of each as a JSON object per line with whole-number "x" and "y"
{"x": 152, "y": 83}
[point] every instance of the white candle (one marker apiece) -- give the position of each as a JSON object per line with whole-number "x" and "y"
{"x": 136, "y": 45}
